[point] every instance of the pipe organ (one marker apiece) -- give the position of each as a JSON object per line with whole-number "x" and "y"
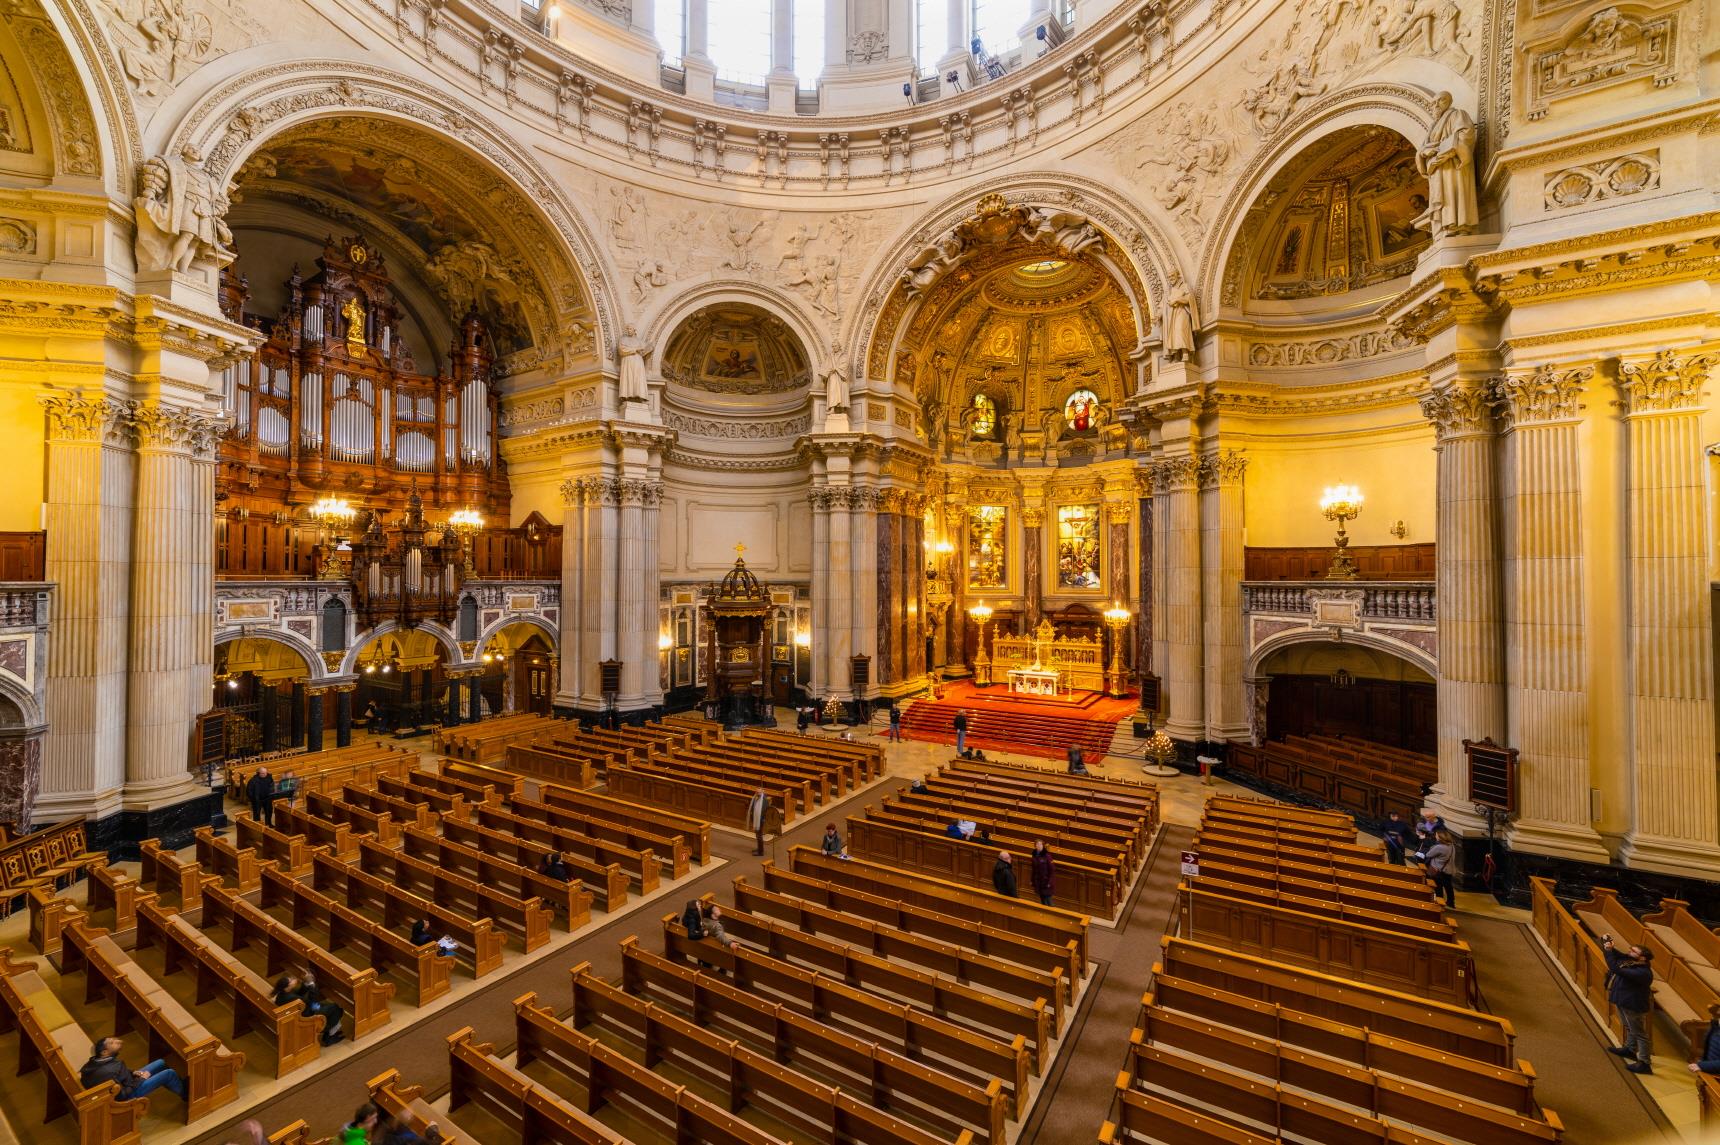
{"x": 333, "y": 404}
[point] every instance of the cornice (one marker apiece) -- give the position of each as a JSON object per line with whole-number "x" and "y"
{"x": 1587, "y": 266}
{"x": 1699, "y": 116}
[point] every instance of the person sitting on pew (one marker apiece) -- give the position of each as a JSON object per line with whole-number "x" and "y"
{"x": 390, "y": 1130}
{"x": 919, "y": 786}
{"x": 1077, "y": 766}
{"x": 1708, "y": 1058}
{"x": 713, "y": 923}
{"x": 261, "y": 792}
{"x": 105, "y": 1065}
{"x": 553, "y": 867}
{"x": 980, "y": 834}
{"x": 831, "y": 844}
{"x": 422, "y": 936}
{"x": 961, "y": 829}
{"x": 1044, "y": 874}
{"x": 357, "y": 1131}
{"x": 1003, "y": 875}
{"x": 1396, "y": 834}
{"x": 289, "y": 987}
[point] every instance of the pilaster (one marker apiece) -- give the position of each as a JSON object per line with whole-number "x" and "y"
{"x": 1177, "y": 482}
{"x": 1221, "y": 564}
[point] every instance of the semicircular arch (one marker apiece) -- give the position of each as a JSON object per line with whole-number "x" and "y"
{"x": 666, "y": 318}
{"x": 441, "y": 635}
{"x": 30, "y": 715}
{"x": 1397, "y": 649}
{"x": 291, "y": 641}
{"x": 538, "y": 624}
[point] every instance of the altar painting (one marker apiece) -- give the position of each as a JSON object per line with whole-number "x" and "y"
{"x": 1078, "y": 547}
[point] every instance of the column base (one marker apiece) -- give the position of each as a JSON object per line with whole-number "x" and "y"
{"x": 146, "y": 797}
{"x": 1558, "y": 841}
{"x": 172, "y": 823}
{"x": 89, "y": 806}
{"x": 1642, "y": 852}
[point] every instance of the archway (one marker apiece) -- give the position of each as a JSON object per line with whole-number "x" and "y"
{"x": 1350, "y": 690}
{"x": 519, "y": 669}
{"x": 260, "y": 686}
{"x": 404, "y": 688}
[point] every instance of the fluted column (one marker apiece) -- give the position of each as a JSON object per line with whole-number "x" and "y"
{"x": 1547, "y": 661}
{"x": 630, "y": 607}
{"x": 1221, "y": 594}
{"x": 650, "y": 589}
{"x": 87, "y": 518}
{"x": 1471, "y": 685}
{"x": 574, "y": 595}
{"x": 863, "y": 549}
{"x": 1676, "y": 821}
{"x": 820, "y": 498}
{"x": 840, "y": 607}
{"x": 1176, "y": 478}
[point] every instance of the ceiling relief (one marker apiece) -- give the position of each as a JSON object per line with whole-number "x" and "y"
{"x": 735, "y": 349}
{"x": 1349, "y": 214}
{"x": 464, "y": 230}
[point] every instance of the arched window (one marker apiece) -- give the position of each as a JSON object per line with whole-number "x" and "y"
{"x": 468, "y": 618}
{"x": 669, "y": 17}
{"x": 808, "y": 42}
{"x": 997, "y": 24}
{"x": 932, "y": 34}
{"x": 739, "y": 39}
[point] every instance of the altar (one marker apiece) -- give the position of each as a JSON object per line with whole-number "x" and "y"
{"x": 1073, "y": 664}
{"x": 1032, "y": 682}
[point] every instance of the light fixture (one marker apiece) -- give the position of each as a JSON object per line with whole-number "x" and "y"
{"x": 1342, "y": 503}
{"x": 1160, "y": 749}
{"x": 333, "y": 515}
{"x": 981, "y": 615}
{"x": 1117, "y": 619}
{"x": 944, "y": 548}
{"x": 664, "y": 642}
{"x": 803, "y": 639}
{"x": 233, "y": 683}
{"x": 465, "y": 524}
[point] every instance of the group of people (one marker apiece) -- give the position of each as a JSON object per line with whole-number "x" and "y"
{"x": 1042, "y": 874}
{"x": 1429, "y": 843}
{"x": 262, "y": 790}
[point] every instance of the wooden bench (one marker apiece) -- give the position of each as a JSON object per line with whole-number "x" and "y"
{"x": 485, "y": 742}
{"x": 828, "y": 778}
{"x": 1017, "y": 828}
{"x": 317, "y": 831}
{"x": 209, "y": 1069}
{"x": 546, "y": 823}
{"x": 404, "y": 811}
{"x": 1025, "y": 918}
{"x": 564, "y": 827}
{"x": 292, "y": 852}
{"x": 227, "y": 861}
{"x": 954, "y": 1109}
{"x": 505, "y": 782}
{"x": 527, "y": 918}
{"x": 622, "y": 813}
{"x": 605, "y": 887}
{"x": 1141, "y": 1117}
{"x": 361, "y": 820}
{"x": 867, "y": 760}
{"x": 1573, "y": 948}
{"x": 385, "y": 950}
{"x": 170, "y": 877}
{"x": 1680, "y": 990}
{"x": 439, "y": 802}
{"x": 406, "y": 1104}
{"x": 295, "y": 1036}
{"x": 553, "y": 764}
{"x": 533, "y": 1112}
{"x": 363, "y": 995}
{"x": 49, "y": 1039}
{"x": 567, "y": 897}
{"x": 327, "y": 771}
{"x": 480, "y": 942}
{"x": 708, "y": 795}
{"x": 472, "y": 793}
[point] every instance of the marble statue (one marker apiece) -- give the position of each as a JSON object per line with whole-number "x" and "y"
{"x": 1448, "y": 161}
{"x": 179, "y": 214}
{"x": 836, "y": 390}
{"x": 631, "y": 354}
{"x": 1179, "y": 320}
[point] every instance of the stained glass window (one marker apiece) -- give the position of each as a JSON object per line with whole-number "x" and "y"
{"x": 987, "y": 546}
{"x": 984, "y": 419}
{"x": 1078, "y": 546}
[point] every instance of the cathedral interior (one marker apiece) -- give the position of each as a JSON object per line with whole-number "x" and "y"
{"x": 478, "y": 468}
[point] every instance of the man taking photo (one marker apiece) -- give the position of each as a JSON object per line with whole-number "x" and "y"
{"x": 1630, "y": 981}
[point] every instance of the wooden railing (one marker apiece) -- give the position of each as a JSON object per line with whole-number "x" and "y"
{"x": 1578, "y": 953}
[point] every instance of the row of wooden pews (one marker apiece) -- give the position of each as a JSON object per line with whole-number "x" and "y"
{"x": 1335, "y": 1011}
{"x": 1098, "y": 830}
{"x": 327, "y": 770}
{"x": 1368, "y": 778}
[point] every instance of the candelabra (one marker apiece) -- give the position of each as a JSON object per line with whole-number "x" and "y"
{"x": 466, "y": 524}
{"x": 1342, "y": 503}
{"x": 1160, "y": 750}
{"x": 940, "y": 594}
{"x": 332, "y": 515}
{"x": 1116, "y": 619}
{"x": 981, "y": 615}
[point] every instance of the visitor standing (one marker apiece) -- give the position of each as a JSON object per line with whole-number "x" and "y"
{"x": 1439, "y": 858}
{"x": 1077, "y": 765}
{"x": 1397, "y": 836}
{"x": 1044, "y": 875}
{"x": 895, "y": 722}
{"x": 1003, "y": 875}
{"x": 1630, "y": 989}
{"x": 261, "y": 792}
{"x": 960, "y": 723}
{"x": 755, "y": 818}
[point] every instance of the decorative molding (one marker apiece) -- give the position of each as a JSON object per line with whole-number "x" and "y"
{"x": 1461, "y": 408}
{"x": 74, "y": 418}
{"x": 1613, "y": 178}
{"x": 542, "y": 410}
{"x": 1174, "y": 474}
{"x": 1330, "y": 351}
{"x": 1222, "y": 468}
{"x": 164, "y": 427}
{"x": 1666, "y": 382}
{"x": 738, "y": 430}
{"x": 1611, "y": 47}
{"x": 1549, "y": 393}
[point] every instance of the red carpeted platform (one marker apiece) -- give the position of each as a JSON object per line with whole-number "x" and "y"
{"x": 1032, "y": 725}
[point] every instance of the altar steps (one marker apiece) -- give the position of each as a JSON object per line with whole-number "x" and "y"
{"x": 995, "y": 727}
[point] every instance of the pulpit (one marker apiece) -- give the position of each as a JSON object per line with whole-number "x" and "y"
{"x": 737, "y": 613}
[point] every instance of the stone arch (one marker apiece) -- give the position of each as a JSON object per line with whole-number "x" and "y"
{"x": 437, "y": 632}
{"x": 30, "y": 717}
{"x": 541, "y": 625}
{"x": 664, "y": 319}
{"x": 93, "y": 120}
{"x": 1140, "y": 253}
{"x": 291, "y": 641}
{"x": 236, "y": 119}
{"x": 1408, "y": 653}
{"x": 1401, "y": 107}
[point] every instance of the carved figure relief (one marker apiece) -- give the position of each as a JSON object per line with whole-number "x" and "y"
{"x": 180, "y": 214}
{"x": 1611, "y": 47}
{"x": 171, "y": 42}
{"x": 994, "y": 222}
{"x": 738, "y": 233}
{"x": 869, "y": 47}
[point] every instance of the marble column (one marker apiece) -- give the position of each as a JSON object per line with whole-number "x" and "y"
{"x": 1032, "y": 560}
{"x": 1471, "y": 686}
{"x": 296, "y": 717}
{"x": 343, "y": 715}
{"x": 1221, "y": 594}
{"x": 1669, "y": 624}
{"x": 314, "y": 719}
{"x": 839, "y": 643}
{"x": 1145, "y": 587}
{"x": 171, "y": 652}
{"x": 474, "y": 699}
{"x": 1259, "y": 700}
{"x": 1547, "y": 662}
{"x": 1185, "y": 716}
{"x": 87, "y": 517}
{"x": 573, "y": 593}
{"x": 20, "y": 779}
{"x": 454, "y": 683}
{"x": 863, "y": 551}
{"x": 820, "y": 498}
{"x": 268, "y": 716}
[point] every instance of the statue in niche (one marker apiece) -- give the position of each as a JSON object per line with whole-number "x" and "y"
{"x": 353, "y": 312}
{"x": 1448, "y": 161}
{"x": 836, "y": 391}
{"x": 179, "y": 214}
{"x": 1179, "y": 320}
{"x": 630, "y": 352}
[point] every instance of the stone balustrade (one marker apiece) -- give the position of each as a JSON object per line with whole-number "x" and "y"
{"x": 1395, "y": 600}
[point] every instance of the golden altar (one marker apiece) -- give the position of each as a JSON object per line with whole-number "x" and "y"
{"x": 1078, "y": 662}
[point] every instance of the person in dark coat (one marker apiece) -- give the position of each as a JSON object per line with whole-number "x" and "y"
{"x": 895, "y": 723}
{"x": 554, "y": 867}
{"x": 1397, "y": 836}
{"x": 1077, "y": 765}
{"x": 960, "y": 725}
{"x": 1630, "y": 989}
{"x": 1044, "y": 874}
{"x": 1427, "y": 831}
{"x": 831, "y": 844}
{"x": 1708, "y": 1057}
{"x": 1003, "y": 875}
{"x": 756, "y": 808}
{"x": 105, "y": 1065}
{"x": 261, "y": 792}
{"x": 289, "y": 987}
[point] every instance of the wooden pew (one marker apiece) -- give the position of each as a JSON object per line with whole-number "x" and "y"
{"x": 1187, "y": 967}
{"x": 295, "y": 1036}
{"x": 317, "y": 831}
{"x": 1326, "y": 902}
{"x": 564, "y": 827}
{"x": 363, "y": 995}
{"x": 1026, "y": 918}
{"x": 564, "y": 834}
{"x": 934, "y": 924}
{"x": 605, "y": 886}
{"x": 866, "y": 759}
{"x": 50, "y": 1040}
{"x": 553, "y": 764}
{"x": 479, "y": 940}
{"x": 504, "y": 782}
{"x": 528, "y": 919}
{"x": 954, "y": 1109}
{"x": 484, "y": 742}
{"x": 1141, "y": 1117}
{"x": 841, "y": 1028}
{"x": 209, "y": 1069}
{"x": 328, "y": 770}
{"x": 361, "y": 820}
{"x": 439, "y": 802}
{"x": 570, "y": 900}
{"x": 292, "y": 852}
{"x": 718, "y": 800}
{"x": 1016, "y": 827}
{"x": 1573, "y": 948}
{"x": 230, "y": 863}
{"x": 534, "y": 1113}
{"x": 1679, "y": 989}
{"x": 406, "y": 1104}
{"x": 172, "y": 878}
{"x": 472, "y": 793}
{"x": 385, "y": 950}
{"x": 827, "y": 777}
{"x": 404, "y": 811}
{"x": 1431, "y": 967}
{"x": 622, "y": 813}
{"x": 49, "y": 915}
{"x": 1337, "y": 823}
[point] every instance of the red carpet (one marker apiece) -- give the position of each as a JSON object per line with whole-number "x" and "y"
{"x": 1031, "y": 725}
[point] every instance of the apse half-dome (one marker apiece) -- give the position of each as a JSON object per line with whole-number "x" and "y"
{"x": 735, "y": 349}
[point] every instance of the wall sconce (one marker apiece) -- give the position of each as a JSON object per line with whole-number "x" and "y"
{"x": 664, "y": 642}
{"x": 803, "y": 640}
{"x": 1399, "y": 531}
{"x": 1342, "y": 678}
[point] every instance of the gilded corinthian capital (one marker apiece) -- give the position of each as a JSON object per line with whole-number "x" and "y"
{"x": 1550, "y": 393}
{"x": 1666, "y": 382}
{"x": 1175, "y": 473}
{"x": 172, "y": 428}
{"x": 1461, "y": 408}
{"x": 74, "y": 417}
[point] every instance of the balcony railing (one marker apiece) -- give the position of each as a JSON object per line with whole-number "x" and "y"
{"x": 1413, "y": 601}
{"x": 24, "y": 604}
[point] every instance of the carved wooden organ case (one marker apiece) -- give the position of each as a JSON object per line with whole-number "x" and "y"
{"x": 333, "y": 404}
